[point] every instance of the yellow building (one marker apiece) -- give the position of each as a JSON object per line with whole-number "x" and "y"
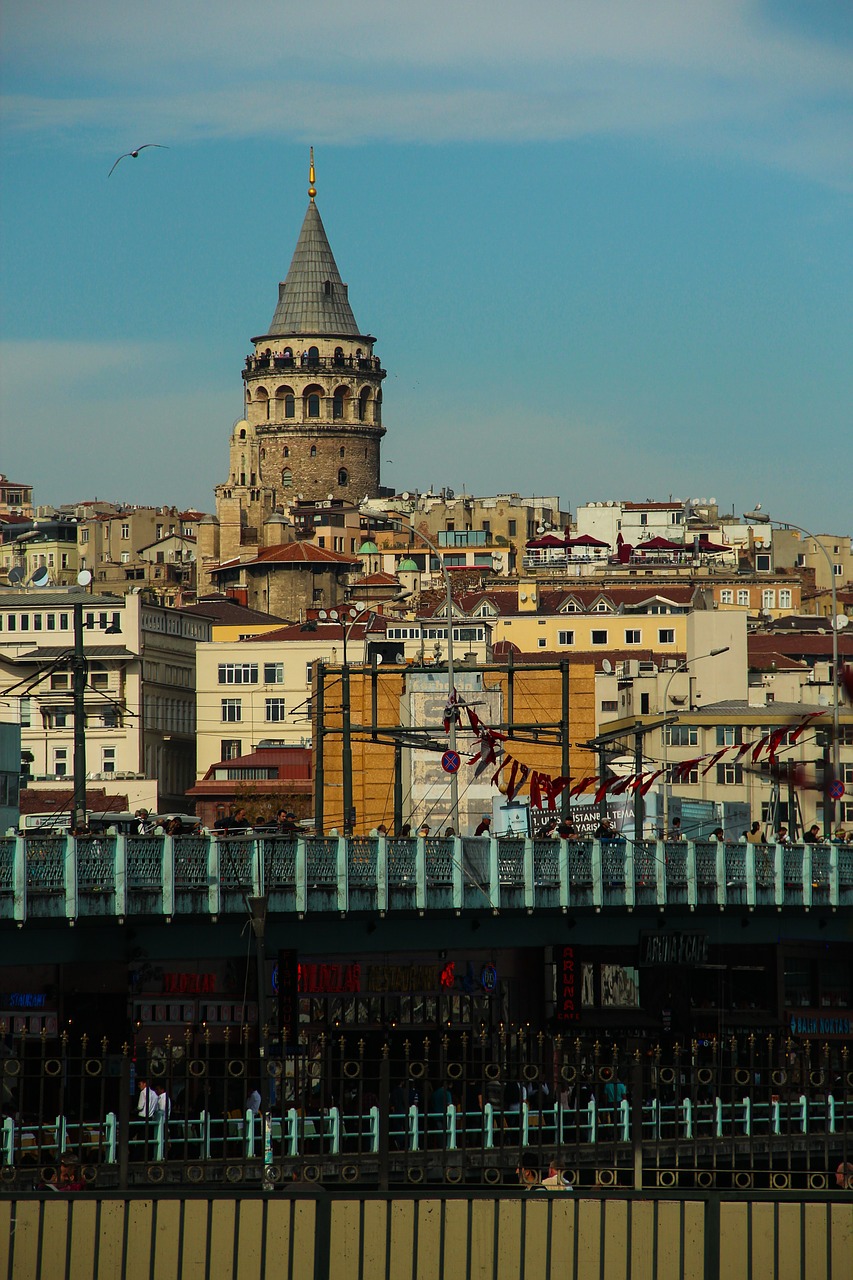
{"x": 394, "y": 699}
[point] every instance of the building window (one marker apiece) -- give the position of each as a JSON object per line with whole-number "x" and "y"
{"x": 632, "y": 637}
{"x": 542, "y": 642}
{"x": 125, "y": 557}
{"x": 230, "y": 748}
{"x": 343, "y": 477}
{"x": 125, "y": 531}
{"x": 599, "y": 637}
{"x": 338, "y": 405}
{"x": 312, "y": 405}
{"x": 342, "y": 453}
{"x": 785, "y": 598}
{"x": 609, "y": 704}
{"x": 682, "y": 779}
{"x": 743, "y": 597}
{"x": 762, "y": 562}
{"x": 108, "y": 760}
{"x": 238, "y": 673}
{"x": 60, "y": 762}
{"x": 768, "y": 599}
{"x": 666, "y": 635}
{"x": 286, "y": 478}
{"x": 60, "y": 680}
{"x": 729, "y": 735}
{"x": 729, "y": 775}
{"x": 273, "y": 673}
{"x": 727, "y": 596}
{"x": 511, "y": 528}
{"x": 274, "y": 709}
{"x": 312, "y": 452}
{"x": 838, "y": 570}
{"x": 681, "y": 735}
{"x": 232, "y": 710}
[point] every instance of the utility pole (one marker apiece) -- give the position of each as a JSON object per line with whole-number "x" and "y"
{"x": 564, "y": 737}
{"x": 346, "y": 747}
{"x": 319, "y": 733}
{"x": 79, "y": 676}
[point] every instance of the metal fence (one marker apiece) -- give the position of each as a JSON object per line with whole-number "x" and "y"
{"x": 382, "y": 1110}
{"x": 308, "y": 1234}
{"x": 56, "y": 877}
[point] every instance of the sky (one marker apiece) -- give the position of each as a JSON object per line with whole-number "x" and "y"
{"x": 604, "y": 245}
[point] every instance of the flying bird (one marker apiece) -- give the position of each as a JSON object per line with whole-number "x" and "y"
{"x": 135, "y": 153}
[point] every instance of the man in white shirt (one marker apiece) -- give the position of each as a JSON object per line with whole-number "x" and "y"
{"x": 146, "y": 1106}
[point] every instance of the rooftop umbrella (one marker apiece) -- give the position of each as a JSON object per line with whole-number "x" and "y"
{"x": 659, "y": 544}
{"x": 586, "y": 540}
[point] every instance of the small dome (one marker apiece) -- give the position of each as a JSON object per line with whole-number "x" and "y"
{"x": 368, "y": 549}
{"x": 407, "y": 566}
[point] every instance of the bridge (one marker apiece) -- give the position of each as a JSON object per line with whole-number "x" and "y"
{"x": 45, "y": 876}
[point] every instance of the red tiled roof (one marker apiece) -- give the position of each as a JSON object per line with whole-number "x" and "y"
{"x": 291, "y": 762}
{"x": 223, "y": 610}
{"x": 301, "y": 553}
{"x": 379, "y": 580}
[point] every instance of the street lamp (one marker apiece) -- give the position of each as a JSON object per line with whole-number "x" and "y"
{"x": 761, "y": 517}
{"x": 682, "y": 666}
{"x": 372, "y": 508}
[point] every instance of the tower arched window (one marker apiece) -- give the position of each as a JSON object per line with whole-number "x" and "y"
{"x": 286, "y": 478}
{"x": 343, "y": 477}
{"x": 313, "y": 357}
{"x": 363, "y": 401}
{"x": 242, "y": 433}
{"x": 313, "y": 451}
{"x": 312, "y": 405}
{"x": 286, "y": 451}
{"x": 285, "y": 403}
{"x": 339, "y": 403}
{"x": 342, "y": 453}
{"x": 338, "y": 358}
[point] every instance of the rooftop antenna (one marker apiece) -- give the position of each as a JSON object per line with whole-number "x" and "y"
{"x": 312, "y": 190}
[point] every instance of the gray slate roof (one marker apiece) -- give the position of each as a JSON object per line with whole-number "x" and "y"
{"x": 313, "y": 299}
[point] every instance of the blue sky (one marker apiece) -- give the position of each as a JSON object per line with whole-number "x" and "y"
{"x": 605, "y": 245}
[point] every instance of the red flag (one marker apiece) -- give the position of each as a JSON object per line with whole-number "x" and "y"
{"x": 795, "y": 736}
{"x": 650, "y": 780}
{"x": 717, "y": 756}
{"x": 535, "y": 794}
{"x": 601, "y": 792}
{"x": 759, "y": 747}
{"x": 513, "y": 791}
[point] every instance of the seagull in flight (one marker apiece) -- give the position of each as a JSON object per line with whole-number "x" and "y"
{"x": 135, "y": 153}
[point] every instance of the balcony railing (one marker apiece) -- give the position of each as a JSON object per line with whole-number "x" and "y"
{"x": 54, "y": 877}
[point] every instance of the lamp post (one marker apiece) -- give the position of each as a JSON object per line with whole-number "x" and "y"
{"x": 761, "y": 517}
{"x": 79, "y": 677}
{"x": 371, "y": 509}
{"x": 682, "y": 666}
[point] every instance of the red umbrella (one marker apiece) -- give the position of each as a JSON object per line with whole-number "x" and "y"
{"x": 705, "y": 545}
{"x": 548, "y": 540}
{"x": 659, "y": 544}
{"x": 586, "y": 540}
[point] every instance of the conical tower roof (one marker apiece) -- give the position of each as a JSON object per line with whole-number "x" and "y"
{"x": 313, "y": 299}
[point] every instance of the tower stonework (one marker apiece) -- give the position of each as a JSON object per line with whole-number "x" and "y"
{"x": 313, "y": 400}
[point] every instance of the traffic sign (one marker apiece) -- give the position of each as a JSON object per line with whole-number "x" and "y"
{"x": 450, "y": 762}
{"x": 836, "y": 791}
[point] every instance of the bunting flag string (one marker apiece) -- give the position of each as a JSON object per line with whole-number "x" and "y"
{"x": 544, "y": 788}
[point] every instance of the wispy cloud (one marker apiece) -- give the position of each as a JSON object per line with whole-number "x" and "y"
{"x": 720, "y": 75}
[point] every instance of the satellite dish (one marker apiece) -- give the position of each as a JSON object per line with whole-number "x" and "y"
{"x": 606, "y": 666}
{"x": 360, "y": 604}
{"x": 40, "y": 577}
{"x": 400, "y": 659}
{"x": 16, "y": 575}
{"x": 84, "y": 577}
{"x": 841, "y": 620}
{"x": 322, "y": 615}
{"x": 333, "y": 614}
{"x": 379, "y": 659}
{"x": 405, "y": 496}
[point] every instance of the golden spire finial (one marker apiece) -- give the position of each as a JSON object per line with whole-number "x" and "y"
{"x": 312, "y": 190}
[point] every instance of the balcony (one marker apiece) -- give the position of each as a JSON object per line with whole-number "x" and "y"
{"x": 57, "y": 877}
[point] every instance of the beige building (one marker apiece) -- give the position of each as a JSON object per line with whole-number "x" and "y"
{"x": 140, "y": 692}
{"x": 15, "y": 499}
{"x": 260, "y": 688}
{"x": 129, "y": 548}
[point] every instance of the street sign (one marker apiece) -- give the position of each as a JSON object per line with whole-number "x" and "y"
{"x": 836, "y": 791}
{"x": 450, "y": 762}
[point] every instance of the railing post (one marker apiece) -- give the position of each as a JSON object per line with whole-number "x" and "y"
{"x": 456, "y": 874}
{"x": 660, "y": 873}
{"x": 70, "y": 878}
{"x": 382, "y": 875}
{"x": 806, "y": 874}
{"x": 488, "y": 1126}
{"x": 385, "y": 1129}
{"x": 20, "y": 906}
{"x": 420, "y": 874}
{"x": 120, "y": 875}
{"x": 565, "y": 885}
{"x": 168, "y": 876}
{"x": 833, "y": 876}
{"x": 494, "y": 875}
{"x": 124, "y": 1122}
{"x": 690, "y": 870}
{"x": 529, "y": 886}
{"x": 597, "y": 876}
{"x": 749, "y": 863}
{"x": 213, "y": 885}
{"x": 720, "y": 872}
{"x": 342, "y": 861}
{"x": 630, "y": 890}
{"x": 301, "y": 875}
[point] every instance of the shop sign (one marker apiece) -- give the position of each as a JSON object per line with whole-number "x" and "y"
{"x": 489, "y": 978}
{"x": 190, "y": 984}
{"x": 567, "y": 1009}
{"x": 401, "y": 979}
{"x": 329, "y": 979}
{"x": 673, "y": 948}
{"x": 23, "y": 1000}
{"x": 815, "y": 1022}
